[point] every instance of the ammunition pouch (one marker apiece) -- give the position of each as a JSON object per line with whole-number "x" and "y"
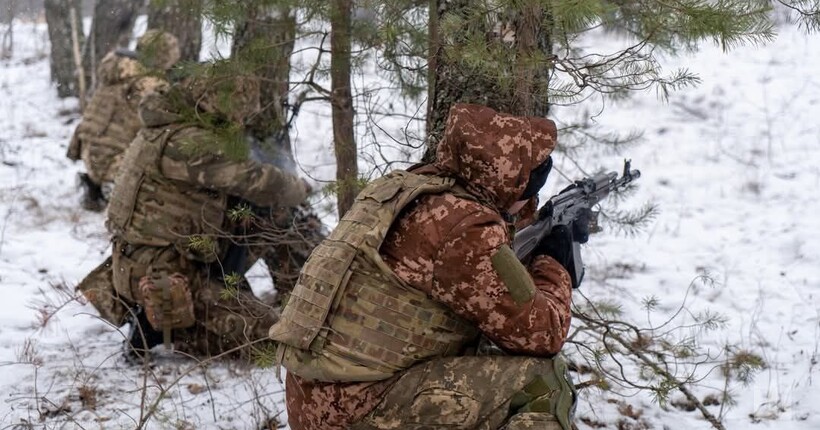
{"x": 132, "y": 262}
{"x": 167, "y": 299}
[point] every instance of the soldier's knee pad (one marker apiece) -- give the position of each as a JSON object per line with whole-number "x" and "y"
{"x": 551, "y": 393}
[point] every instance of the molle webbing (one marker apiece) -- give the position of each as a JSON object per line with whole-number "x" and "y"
{"x": 110, "y": 121}
{"x": 350, "y": 311}
{"x": 148, "y": 209}
{"x": 388, "y": 328}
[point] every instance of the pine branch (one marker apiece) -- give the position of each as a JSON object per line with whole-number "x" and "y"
{"x": 652, "y": 364}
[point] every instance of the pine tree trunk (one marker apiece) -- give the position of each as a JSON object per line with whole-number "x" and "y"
{"x": 344, "y": 142}
{"x": 183, "y": 19}
{"x": 111, "y": 29}
{"x": 451, "y": 83}
{"x": 265, "y": 41}
{"x": 58, "y": 17}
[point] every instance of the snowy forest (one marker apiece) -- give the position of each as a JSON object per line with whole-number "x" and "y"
{"x": 700, "y": 303}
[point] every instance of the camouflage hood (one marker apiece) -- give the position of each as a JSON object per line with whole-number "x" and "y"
{"x": 115, "y": 68}
{"x": 492, "y": 153}
{"x": 158, "y": 49}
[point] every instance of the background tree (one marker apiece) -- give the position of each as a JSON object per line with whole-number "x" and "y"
{"x": 183, "y": 19}
{"x": 63, "y": 68}
{"x": 519, "y": 56}
{"x": 341, "y": 100}
{"x": 511, "y": 40}
{"x": 264, "y": 40}
{"x": 7, "y": 39}
{"x": 111, "y": 28}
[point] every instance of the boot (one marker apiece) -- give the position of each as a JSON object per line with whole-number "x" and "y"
{"x": 141, "y": 337}
{"x": 93, "y": 199}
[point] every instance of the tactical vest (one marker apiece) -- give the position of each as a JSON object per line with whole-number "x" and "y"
{"x": 350, "y": 318}
{"x": 109, "y": 124}
{"x": 148, "y": 209}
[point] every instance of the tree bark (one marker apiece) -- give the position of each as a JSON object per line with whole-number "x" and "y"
{"x": 111, "y": 28}
{"x": 344, "y": 142}
{"x": 450, "y": 82}
{"x": 263, "y": 44}
{"x": 183, "y": 19}
{"x": 58, "y": 17}
{"x": 264, "y": 41}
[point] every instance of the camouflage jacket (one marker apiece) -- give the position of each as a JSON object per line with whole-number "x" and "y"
{"x": 444, "y": 245}
{"x": 169, "y": 190}
{"x": 110, "y": 121}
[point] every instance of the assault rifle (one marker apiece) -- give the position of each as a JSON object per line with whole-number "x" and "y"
{"x": 565, "y": 208}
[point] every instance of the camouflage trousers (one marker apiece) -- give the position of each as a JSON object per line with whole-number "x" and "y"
{"x": 227, "y": 320}
{"x": 102, "y": 163}
{"x": 485, "y": 392}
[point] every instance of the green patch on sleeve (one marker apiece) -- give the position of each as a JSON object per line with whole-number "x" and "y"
{"x": 514, "y": 275}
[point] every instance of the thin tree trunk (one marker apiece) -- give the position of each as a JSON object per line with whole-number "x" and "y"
{"x": 78, "y": 58}
{"x": 264, "y": 43}
{"x": 58, "y": 17}
{"x": 450, "y": 82}
{"x": 7, "y": 44}
{"x": 111, "y": 28}
{"x": 183, "y": 19}
{"x": 344, "y": 142}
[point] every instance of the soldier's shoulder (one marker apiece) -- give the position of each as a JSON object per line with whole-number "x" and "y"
{"x": 456, "y": 208}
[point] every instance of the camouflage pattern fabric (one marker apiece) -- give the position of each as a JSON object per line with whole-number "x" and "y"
{"x": 110, "y": 121}
{"x": 167, "y": 300}
{"x": 170, "y": 193}
{"x": 443, "y": 245}
{"x": 235, "y": 97}
{"x": 167, "y": 197}
{"x": 334, "y": 326}
{"x": 225, "y": 320}
{"x": 158, "y": 49}
{"x": 98, "y": 288}
{"x": 461, "y": 392}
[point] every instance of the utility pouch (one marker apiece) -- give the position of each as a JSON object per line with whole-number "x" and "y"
{"x": 167, "y": 300}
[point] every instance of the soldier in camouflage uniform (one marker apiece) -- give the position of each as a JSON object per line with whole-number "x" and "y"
{"x": 110, "y": 121}
{"x": 381, "y": 328}
{"x": 169, "y": 217}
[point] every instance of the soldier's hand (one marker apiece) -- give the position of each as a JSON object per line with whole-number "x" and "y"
{"x": 558, "y": 245}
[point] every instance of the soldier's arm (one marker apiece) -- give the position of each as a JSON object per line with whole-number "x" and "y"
{"x": 262, "y": 184}
{"x": 526, "y": 314}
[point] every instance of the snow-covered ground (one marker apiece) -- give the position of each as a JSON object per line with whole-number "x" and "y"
{"x": 734, "y": 166}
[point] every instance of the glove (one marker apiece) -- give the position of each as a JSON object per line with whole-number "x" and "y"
{"x": 559, "y": 245}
